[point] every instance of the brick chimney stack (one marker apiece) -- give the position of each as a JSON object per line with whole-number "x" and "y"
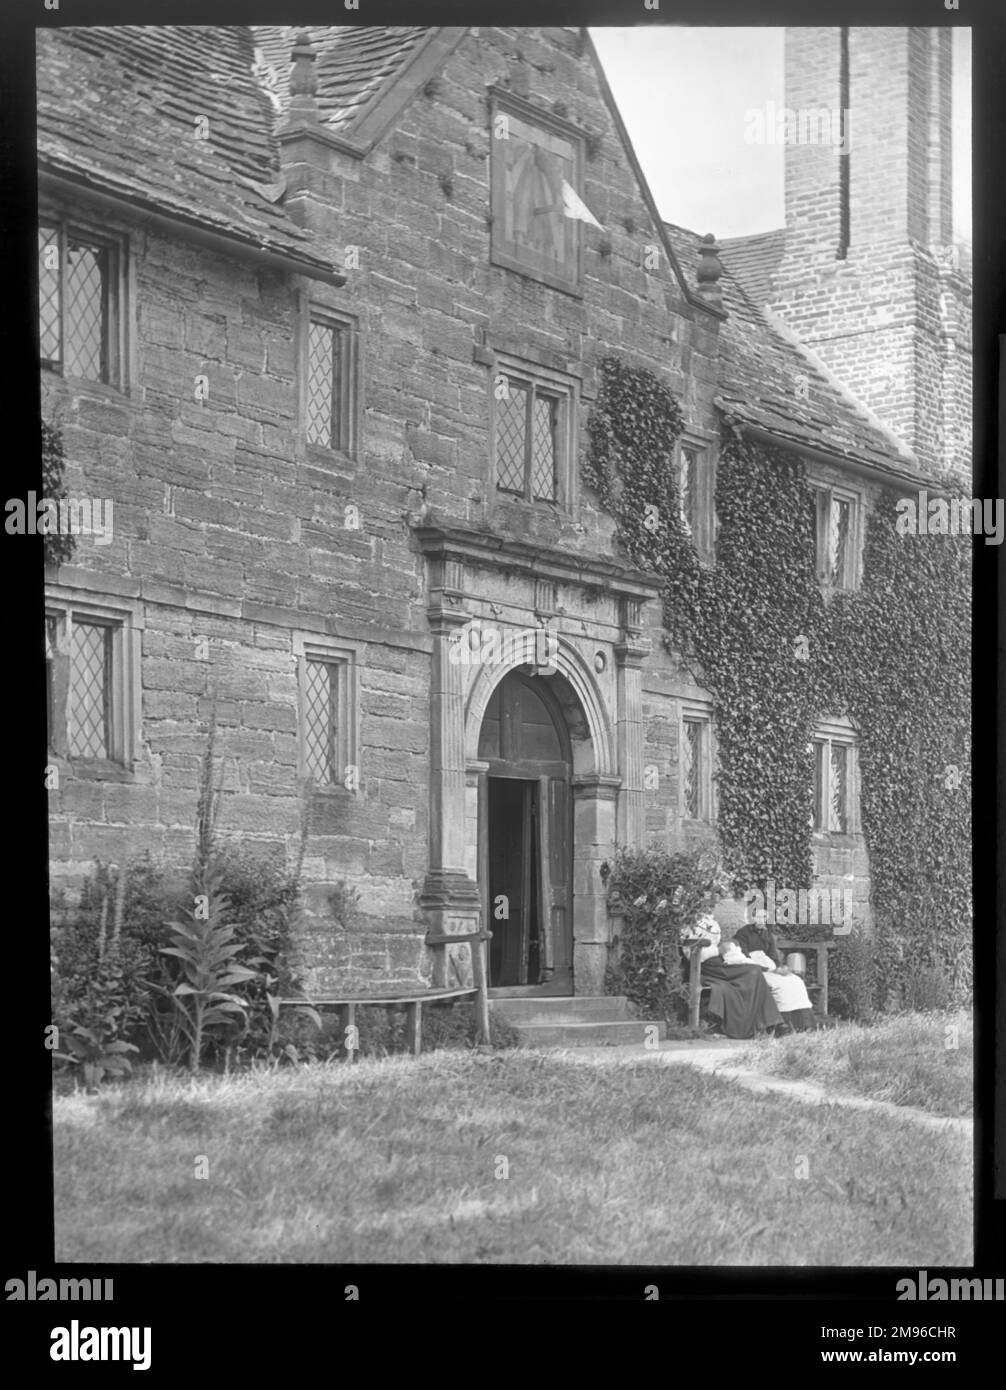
{"x": 870, "y": 279}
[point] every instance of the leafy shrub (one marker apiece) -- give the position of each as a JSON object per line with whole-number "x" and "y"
{"x": 890, "y": 971}
{"x": 853, "y": 978}
{"x": 657, "y": 894}
{"x": 926, "y": 989}
{"x": 103, "y": 956}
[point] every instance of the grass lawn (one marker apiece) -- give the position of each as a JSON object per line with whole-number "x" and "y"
{"x": 924, "y": 1060}
{"x": 403, "y": 1160}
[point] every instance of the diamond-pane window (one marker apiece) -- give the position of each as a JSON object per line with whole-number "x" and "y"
{"x": 321, "y": 716}
{"x": 543, "y": 426}
{"x": 49, "y": 294}
{"x": 511, "y": 425}
{"x": 52, "y": 627}
{"x": 89, "y": 712}
{"x": 92, "y": 656}
{"x": 692, "y": 768}
{"x": 77, "y": 303}
{"x": 528, "y": 427}
{"x": 86, "y": 318}
{"x": 324, "y": 384}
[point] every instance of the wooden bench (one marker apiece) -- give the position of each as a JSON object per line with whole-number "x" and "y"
{"x": 413, "y": 1001}
{"x": 818, "y": 991}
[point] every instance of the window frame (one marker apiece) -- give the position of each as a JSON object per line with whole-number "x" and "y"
{"x": 116, "y": 335}
{"x": 540, "y": 381}
{"x": 842, "y": 733}
{"x": 503, "y": 251}
{"x": 705, "y": 523}
{"x": 347, "y": 658}
{"x": 824, "y": 495}
{"x": 123, "y": 715}
{"x": 347, "y": 390}
{"x": 700, "y": 713}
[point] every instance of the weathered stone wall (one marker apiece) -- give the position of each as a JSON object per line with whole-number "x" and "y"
{"x": 230, "y": 531}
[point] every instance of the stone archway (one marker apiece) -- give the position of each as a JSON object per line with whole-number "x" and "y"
{"x": 585, "y": 732}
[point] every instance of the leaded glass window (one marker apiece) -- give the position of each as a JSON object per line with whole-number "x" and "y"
{"x": 833, "y": 811}
{"x": 838, "y": 787}
{"x": 77, "y": 303}
{"x": 49, "y": 313}
{"x": 836, "y": 539}
{"x": 511, "y": 426}
{"x": 696, "y": 767}
{"x": 90, "y": 684}
{"x": 324, "y": 384}
{"x": 687, "y": 485}
{"x": 691, "y": 769}
{"x": 527, "y": 440}
{"x": 321, "y": 721}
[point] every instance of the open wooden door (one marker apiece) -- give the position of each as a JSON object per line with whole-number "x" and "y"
{"x": 555, "y": 858}
{"x": 525, "y": 840}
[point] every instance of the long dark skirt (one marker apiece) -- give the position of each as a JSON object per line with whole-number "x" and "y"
{"x": 739, "y": 998}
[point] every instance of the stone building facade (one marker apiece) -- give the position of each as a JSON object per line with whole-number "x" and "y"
{"x": 348, "y": 293}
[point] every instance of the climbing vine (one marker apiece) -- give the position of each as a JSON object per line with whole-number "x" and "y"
{"x": 58, "y": 546}
{"x": 777, "y": 658}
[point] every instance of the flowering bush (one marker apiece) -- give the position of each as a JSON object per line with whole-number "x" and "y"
{"x": 659, "y": 898}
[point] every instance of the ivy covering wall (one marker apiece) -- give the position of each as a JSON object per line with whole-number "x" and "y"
{"x": 776, "y": 658}
{"x": 58, "y": 547}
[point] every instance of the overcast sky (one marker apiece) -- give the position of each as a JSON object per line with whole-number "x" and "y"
{"x": 683, "y": 93}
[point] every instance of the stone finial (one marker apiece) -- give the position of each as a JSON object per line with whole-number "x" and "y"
{"x": 518, "y": 77}
{"x": 304, "y": 79}
{"x": 709, "y": 271}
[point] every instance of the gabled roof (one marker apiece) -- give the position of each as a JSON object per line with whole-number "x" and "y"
{"x": 117, "y": 113}
{"x": 365, "y": 76}
{"x": 754, "y": 260}
{"x": 354, "y": 66}
{"x": 764, "y": 371}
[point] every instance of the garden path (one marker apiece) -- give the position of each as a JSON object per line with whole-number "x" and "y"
{"x": 713, "y": 1056}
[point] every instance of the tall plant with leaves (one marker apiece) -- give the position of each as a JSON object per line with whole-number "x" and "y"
{"x": 203, "y": 997}
{"x": 203, "y": 944}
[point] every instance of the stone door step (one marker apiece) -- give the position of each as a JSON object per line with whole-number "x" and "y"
{"x": 569, "y": 1008}
{"x": 594, "y": 1034}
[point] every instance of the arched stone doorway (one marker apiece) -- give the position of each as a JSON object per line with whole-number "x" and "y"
{"x": 560, "y": 739}
{"x": 526, "y": 836}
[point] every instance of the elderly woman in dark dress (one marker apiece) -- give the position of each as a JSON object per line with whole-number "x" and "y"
{"x": 758, "y": 942}
{"x": 739, "y": 999}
